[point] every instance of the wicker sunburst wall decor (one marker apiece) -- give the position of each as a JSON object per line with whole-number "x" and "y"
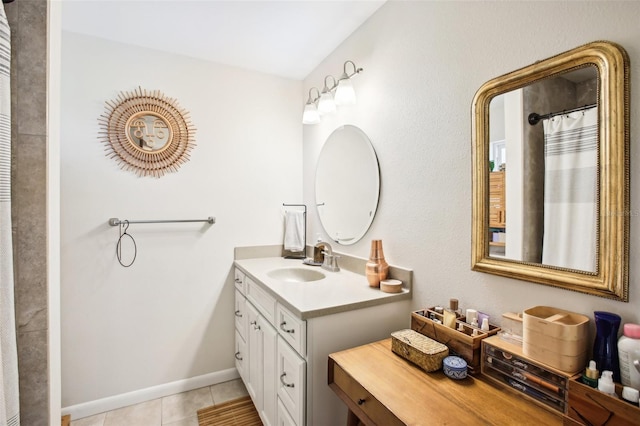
{"x": 147, "y": 132}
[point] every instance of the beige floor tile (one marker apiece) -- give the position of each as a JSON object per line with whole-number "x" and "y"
{"x": 227, "y": 391}
{"x": 184, "y": 405}
{"x": 144, "y": 414}
{"x": 189, "y": 421}
{"x": 97, "y": 420}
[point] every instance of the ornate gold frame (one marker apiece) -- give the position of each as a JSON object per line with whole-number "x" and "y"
{"x": 171, "y": 122}
{"x": 611, "y": 279}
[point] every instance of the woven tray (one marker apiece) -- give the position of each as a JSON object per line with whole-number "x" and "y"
{"x": 426, "y": 353}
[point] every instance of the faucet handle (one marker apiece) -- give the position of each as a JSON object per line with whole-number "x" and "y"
{"x": 334, "y": 263}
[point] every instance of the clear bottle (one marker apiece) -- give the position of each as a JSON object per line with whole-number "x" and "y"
{"x": 629, "y": 351}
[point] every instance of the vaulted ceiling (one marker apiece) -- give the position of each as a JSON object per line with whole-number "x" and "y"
{"x": 284, "y": 38}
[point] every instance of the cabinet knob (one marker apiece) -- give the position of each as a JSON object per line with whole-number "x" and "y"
{"x": 238, "y": 280}
{"x": 361, "y": 401}
{"x": 238, "y": 314}
{"x": 289, "y": 385}
{"x": 286, "y": 330}
{"x": 238, "y": 357}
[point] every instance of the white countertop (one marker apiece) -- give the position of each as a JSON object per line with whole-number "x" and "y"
{"x": 337, "y": 292}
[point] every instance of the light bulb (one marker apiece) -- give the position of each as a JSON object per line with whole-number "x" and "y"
{"x": 310, "y": 114}
{"x": 326, "y": 104}
{"x": 345, "y": 94}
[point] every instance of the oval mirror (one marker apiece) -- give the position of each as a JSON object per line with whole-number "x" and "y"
{"x": 551, "y": 172}
{"x": 347, "y": 185}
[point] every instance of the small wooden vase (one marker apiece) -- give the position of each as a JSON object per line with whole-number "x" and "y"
{"x": 377, "y": 268}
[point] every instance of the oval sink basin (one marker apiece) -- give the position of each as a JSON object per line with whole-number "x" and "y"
{"x": 296, "y": 275}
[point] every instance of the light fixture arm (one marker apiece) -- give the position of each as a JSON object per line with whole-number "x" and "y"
{"x": 311, "y": 99}
{"x": 356, "y": 70}
{"x": 326, "y": 87}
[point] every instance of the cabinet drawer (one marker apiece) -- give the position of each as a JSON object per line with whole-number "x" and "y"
{"x": 263, "y": 301}
{"x": 370, "y": 406}
{"x": 291, "y": 381}
{"x": 284, "y": 418}
{"x": 239, "y": 281}
{"x": 241, "y": 356}
{"x": 292, "y": 329}
{"x": 240, "y": 314}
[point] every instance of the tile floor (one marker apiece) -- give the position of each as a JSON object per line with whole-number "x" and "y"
{"x": 173, "y": 410}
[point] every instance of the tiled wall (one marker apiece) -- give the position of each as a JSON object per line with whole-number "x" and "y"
{"x": 28, "y": 22}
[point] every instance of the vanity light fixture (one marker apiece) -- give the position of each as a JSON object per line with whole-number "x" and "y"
{"x": 325, "y": 102}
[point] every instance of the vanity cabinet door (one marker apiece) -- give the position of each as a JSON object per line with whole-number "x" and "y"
{"x": 242, "y": 356}
{"x": 269, "y": 360}
{"x": 291, "y": 381}
{"x": 284, "y": 418}
{"x": 254, "y": 340}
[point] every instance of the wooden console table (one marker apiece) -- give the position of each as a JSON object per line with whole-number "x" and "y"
{"x": 381, "y": 388}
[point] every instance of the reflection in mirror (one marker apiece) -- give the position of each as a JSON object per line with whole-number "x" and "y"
{"x": 347, "y": 185}
{"x": 551, "y": 172}
{"x": 548, "y": 130}
{"x": 148, "y": 131}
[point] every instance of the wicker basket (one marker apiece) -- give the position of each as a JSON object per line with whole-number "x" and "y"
{"x": 426, "y": 353}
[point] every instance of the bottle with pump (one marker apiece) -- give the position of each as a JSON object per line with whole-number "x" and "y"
{"x": 606, "y": 385}
{"x": 628, "y": 352}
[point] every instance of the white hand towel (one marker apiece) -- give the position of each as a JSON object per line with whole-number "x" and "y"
{"x": 294, "y": 231}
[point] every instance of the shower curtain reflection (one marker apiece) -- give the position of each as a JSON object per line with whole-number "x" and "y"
{"x": 9, "y": 400}
{"x": 570, "y": 190}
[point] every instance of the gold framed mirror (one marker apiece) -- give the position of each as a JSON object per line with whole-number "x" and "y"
{"x": 557, "y": 212}
{"x": 147, "y": 132}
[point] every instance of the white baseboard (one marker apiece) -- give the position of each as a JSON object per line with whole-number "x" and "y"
{"x": 114, "y": 402}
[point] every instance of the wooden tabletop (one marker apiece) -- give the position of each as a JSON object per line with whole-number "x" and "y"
{"x": 415, "y": 397}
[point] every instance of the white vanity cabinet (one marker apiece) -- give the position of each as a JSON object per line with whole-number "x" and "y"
{"x": 305, "y": 325}
{"x": 257, "y": 346}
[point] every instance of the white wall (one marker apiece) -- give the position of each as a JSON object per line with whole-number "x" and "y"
{"x": 168, "y": 317}
{"x": 423, "y": 63}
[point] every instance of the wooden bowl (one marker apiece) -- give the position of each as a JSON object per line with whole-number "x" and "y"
{"x": 391, "y": 286}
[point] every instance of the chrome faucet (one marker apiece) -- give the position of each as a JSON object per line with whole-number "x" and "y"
{"x": 330, "y": 260}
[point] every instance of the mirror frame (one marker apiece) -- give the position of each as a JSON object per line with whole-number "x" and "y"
{"x": 118, "y": 118}
{"x": 611, "y": 278}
